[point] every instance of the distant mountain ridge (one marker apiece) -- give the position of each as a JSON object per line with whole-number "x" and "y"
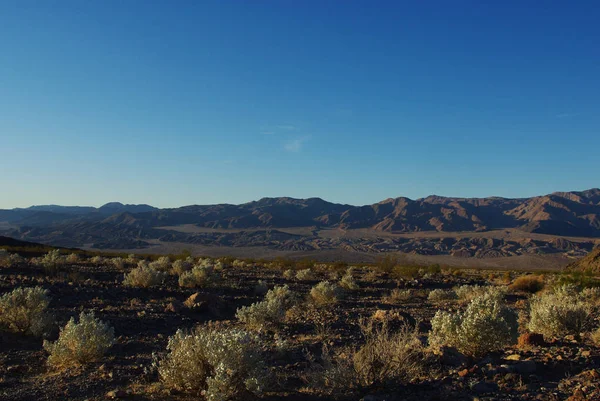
{"x": 574, "y": 213}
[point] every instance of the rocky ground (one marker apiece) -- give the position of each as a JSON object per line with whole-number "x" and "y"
{"x": 144, "y": 318}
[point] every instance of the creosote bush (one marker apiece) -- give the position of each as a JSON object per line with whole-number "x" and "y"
{"x": 10, "y": 260}
{"x": 24, "y": 310}
{"x": 220, "y": 364}
{"x": 325, "y": 293}
{"x": 486, "y": 325}
{"x": 199, "y": 276}
{"x": 289, "y": 274}
{"x": 560, "y": 312}
{"x": 270, "y": 312}
{"x": 143, "y": 276}
{"x": 80, "y": 342}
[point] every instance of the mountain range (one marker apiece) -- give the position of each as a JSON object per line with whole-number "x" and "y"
{"x": 119, "y": 226}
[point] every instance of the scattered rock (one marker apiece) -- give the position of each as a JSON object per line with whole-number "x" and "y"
{"x": 530, "y": 339}
{"x": 116, "y": 394}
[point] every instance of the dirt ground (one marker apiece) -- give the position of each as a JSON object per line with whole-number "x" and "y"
{"x": 144, "y": 318}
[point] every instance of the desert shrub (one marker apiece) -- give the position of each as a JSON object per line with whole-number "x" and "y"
{"x": 10, "y": 259}
{"x": 162, "y": 264}
{"x": 261, "y": 288}
{"x": 97, "y": 260}
{"x": 399, "y": 295}
{"x": 582, "y": 279}
{"x": 270, "y": 312}
{"x": 143, "y": 276}
{"x": 132, "y": 259}
{"x": 385, "y": 358}
{"x": 304, "y": 275}
{"x": 80, "y": 342}
{"x": 221, "y": 364}
{"x": 486, "y": 325}
{"x": 530, "y": 283}
{"x": 119, "y": 263}
{"x": 439, "y": 295}
{"x": 199, "y": 276}
{"x": 73, "y": 258}
{"x": 289, "y": 274}
{"x": 595, "y": 335}
{"x": 325, "y": 293}
{"x": 25, "y": 310}
{"x": 591, "y": 294}
{"x": 181, "y": 266}
{"x": 52, "y": 261}
{"x": 470, "y": 292}
{"x": 347, "y": 282}
{"x": 560, "y": 312}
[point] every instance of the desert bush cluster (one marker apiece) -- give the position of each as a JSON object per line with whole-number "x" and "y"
{"x": 268, "y": 319}
{"x": 486, "y": 325}
{"x": 220, "y": 364}
{"x": 25, "y": 310}
{"x": 80, "y": 342}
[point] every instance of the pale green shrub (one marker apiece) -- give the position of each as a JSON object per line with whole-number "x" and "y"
{"x": 304, "y": 275}
{"x": 162, "y": 264}
{"x": 24, "y": 310}
{"x": 132, "y": 259}
{"x": 347, "y": 282}
{"x": 270, "y": 312}
{"x": 486, "y": 325}
{"x": 439, "y": 295}
{"x": 143, "y": 276}
{"x": 199, "y": 276}
{"x": 220, "y": 364}
{"x": 289, "y": 274}
{"x": 80, "y": 342}
{"x": 181, "y": 266}
{"x": 325, "y": 293}
{"x": 52, "y": 261}
{"x": 561, "y": 312}
{"x": 470, "y": 292}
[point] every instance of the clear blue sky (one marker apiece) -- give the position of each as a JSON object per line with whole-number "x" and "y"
{"x": 175, "y": 103}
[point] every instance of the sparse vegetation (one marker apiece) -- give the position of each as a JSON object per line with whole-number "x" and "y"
{"x": 220, "y": 364}
{"x": 347, "y": 282}
{"x": 80, "y": 342}
{"x": 143, "y": 276}
{"x": 199, "y": 276}
{"x": 25, "y": 310}
{"x": 270, "y": 312}
{"x": 559, "y": 312}
{"x": 305, "y": 275}
{"x": 439, "y": 295}
{"x": 325, "y": 293}
{"x": 486, "y": 325}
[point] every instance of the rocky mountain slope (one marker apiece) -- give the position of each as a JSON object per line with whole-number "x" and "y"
{"x": 574, "y": 214}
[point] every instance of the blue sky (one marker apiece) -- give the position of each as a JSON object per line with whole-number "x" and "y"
{"x": 175, "y": 103}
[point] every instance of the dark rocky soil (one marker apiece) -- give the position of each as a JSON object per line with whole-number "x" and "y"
{"x": 143, "y": 320}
